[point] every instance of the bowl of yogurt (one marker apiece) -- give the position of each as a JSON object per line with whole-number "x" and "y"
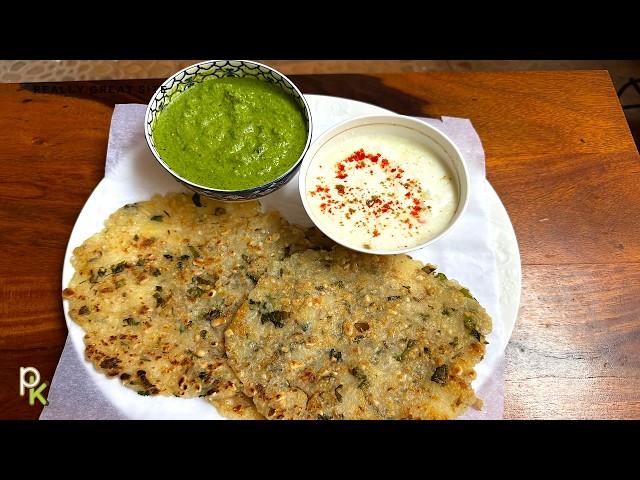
{"x": 384, "y": 184}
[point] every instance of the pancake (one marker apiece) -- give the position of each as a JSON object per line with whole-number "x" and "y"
{"x": 344, "y": 335}
{"x": 155, "y": 290}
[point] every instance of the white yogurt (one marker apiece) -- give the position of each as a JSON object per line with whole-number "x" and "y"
{"x": 376, "y": 190}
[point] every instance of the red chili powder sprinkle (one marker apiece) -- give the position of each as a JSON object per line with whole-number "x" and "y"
{"x": 374, "y": 207}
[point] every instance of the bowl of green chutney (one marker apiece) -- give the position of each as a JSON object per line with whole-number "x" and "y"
{"x": 233, "y": 130}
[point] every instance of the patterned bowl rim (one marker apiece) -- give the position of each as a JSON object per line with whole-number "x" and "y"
{"x": 204, "y": 188}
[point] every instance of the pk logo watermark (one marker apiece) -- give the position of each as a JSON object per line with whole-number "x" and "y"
{"x": 31, "y": 383}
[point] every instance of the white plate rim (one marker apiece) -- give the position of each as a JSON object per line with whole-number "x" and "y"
{"x": 507, "y": 258}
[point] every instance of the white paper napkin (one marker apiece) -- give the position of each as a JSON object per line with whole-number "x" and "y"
{"x": 466, "y": 253}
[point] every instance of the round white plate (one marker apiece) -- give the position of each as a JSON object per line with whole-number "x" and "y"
{"x": 148, "y": 180}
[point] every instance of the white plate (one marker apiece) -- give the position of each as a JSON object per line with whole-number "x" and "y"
{"x": 148, "y": 179}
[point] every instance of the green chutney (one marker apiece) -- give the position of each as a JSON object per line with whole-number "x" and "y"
{"x": 231, "y": 133}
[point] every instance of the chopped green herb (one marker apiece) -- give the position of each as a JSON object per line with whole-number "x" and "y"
{"x": 393, "y": 297}
{"x": 182, "y": 328}
{"x": 466, "y": 293}
{"x": 84, "y": 310}
{"x": 219, "y": 211}
{"x": 131, "y": 205}
{"x": 323, "y": 417}
{"x": 102, "y": 271}
{"x": 196, "y": 200}
{"x": 454, "y": 342}
{"x": 338, "y": 394}
{"x": 140, "y": 262}
{"x": 201, "y": 280}
{"x": 168, "y": 256}
{"x": 441, "y": 375}
{"x": 118, "y": 267}
{"x": 320, "y": 288}
{"x": 203, "y": 334}
{"x": 469, "y": 323}
{"x": 194, "y": 252}
{"x": 194, "y": 292}
{"x": 136, "y": 237}
{"x": 159, "y": 299}
{"x": 253, "y": 278}
{"x": 360, "y": 376}
{"x": 158, "y": 288}
{"x": 339, "y": 284}
{"x": 441, "y": 276}
{"x": 357, "y": 338}
{"x": 166, "y": 213}
{"x": 335, "y": 355}
{"x": 130, "y": 321}
{"x": 277, "y": 318}
{"x": 410, "y": 344}
{"x": 184, "y": 257}
{"x": 179, "y": 265}
{"x": 426, "y": 350}
{"x": 211, "y": 315}
{"x": 448, "y": 311}
{"x": 144, "y": 393}
{"x": 428, "y": 268}
{"x": 156, "y": 272}
{"x": 157, "y": 218}
{"x": 121, "y": 283}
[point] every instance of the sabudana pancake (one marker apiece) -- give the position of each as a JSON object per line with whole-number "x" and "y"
{"x": 155, "y": 290}
{"x": 344, "y": 335}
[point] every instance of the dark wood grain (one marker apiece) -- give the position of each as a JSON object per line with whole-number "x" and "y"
{"x": 575, "y": 349}
{"x": 559, "y": 154}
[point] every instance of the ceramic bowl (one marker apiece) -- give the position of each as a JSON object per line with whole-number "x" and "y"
{"x": 203, "y": 71}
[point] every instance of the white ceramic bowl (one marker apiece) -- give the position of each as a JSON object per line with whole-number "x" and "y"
{"x": 433, "y": 139}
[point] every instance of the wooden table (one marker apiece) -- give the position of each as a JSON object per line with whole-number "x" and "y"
{"x": 559, "y": 153}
